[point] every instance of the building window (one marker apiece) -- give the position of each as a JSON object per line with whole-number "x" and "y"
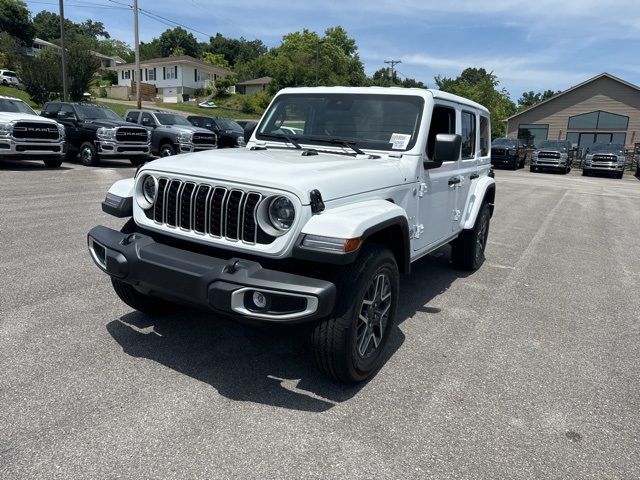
{"x": 532, "y": 135}
{"x": 599, "y": 119}
{"x": 468, "y": 135}
{"x": 126, "y": 74}
{"x": 484, "y": 136}
{"x": 151, "y": 74}
{"x": 171, "y": 73}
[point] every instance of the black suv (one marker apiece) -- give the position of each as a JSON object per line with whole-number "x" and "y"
{"x": 230, "y": 133}
{"x": 508, "y": 152}
{"x": 94, "y": 132}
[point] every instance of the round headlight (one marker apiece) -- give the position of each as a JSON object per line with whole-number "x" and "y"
{"x": 281, "y": 213}
{"x": 149, "y": 188}
{"x": 146, "y": 191}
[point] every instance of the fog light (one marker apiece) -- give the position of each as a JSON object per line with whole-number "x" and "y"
{"x": 260, "y": 300}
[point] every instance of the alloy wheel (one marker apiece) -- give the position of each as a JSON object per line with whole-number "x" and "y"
{"x": 481, "y": 238}
{"x": 373, "y": 316}
{"x": 86, "y": 155}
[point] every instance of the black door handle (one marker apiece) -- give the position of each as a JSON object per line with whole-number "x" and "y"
{"x": 454, "y": 181}
{"x": 473, "y": 176}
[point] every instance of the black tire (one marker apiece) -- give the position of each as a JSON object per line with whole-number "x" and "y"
{"x": 166, "y": 150}
{"x": 620, "y": 175}
{"x": 141, "y": 302}
{"x": 532, "y": 168}
{"x": 88, "y": 154}
{"x": 70, "y": 155}
{"x": 567, "y": 171}
{"x": 467, "y": 251}
{"x": 523, "y": 162}
{"x": 344, "y": 346}
{"x": 52, "y": 162}
{"x": 585, "y": 172}
{"x": 515, "y": 164}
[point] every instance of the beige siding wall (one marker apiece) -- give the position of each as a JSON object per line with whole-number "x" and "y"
{"x": 603, "y": 94}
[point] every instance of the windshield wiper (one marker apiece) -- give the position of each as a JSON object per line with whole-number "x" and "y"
{"x": 282, "y": 136}
{"x": 339, "y": 141}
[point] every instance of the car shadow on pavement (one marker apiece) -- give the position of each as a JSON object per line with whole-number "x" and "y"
{"x": 27, "y": 165}
{"x": 269, "y": 364}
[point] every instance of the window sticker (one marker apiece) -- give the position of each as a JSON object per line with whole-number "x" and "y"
{"x": 399, "y": 141}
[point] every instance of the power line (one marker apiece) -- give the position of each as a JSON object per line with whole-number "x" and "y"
{"x": 393, "y": 63}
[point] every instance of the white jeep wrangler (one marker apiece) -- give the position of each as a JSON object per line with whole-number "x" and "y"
{"x": 337, "y": 192}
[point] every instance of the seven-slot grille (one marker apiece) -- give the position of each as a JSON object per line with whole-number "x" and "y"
{"x": 548, "y": 155}
{"x": 35, "y": 131}
{"x": 204, "y": 139}
{"x": 131, "y": 134}
{"x": 605, "y": 158}
{"x": 209, "y": 210}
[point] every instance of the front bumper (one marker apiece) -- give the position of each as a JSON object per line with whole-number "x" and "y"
{"x": 549, "y": 163}
{"x": 191, "y": 147}
{"x": 604, "y": 167}
{"x": 117, "y": 149}
{"x": 221, "y": 285}
{"x": 503, "y": 161}
{"x": 11, "y": 148}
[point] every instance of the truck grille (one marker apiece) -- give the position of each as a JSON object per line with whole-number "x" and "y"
{"x": 131, "y": 135}
{"x": 548, "y": 155}
{"x": 204, "y": 139}
{"x": 605, "y": 158}
{"x": 209, "y": 210}
{"x": 35, "y": 131}
{"x": 498, "y": 152}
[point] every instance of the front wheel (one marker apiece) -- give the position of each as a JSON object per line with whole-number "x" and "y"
{"x": 53, "y": 163}
{"x": 136, "y": 162}
{"x": 532, "y": 168}
{"x": 349, "y": 347}
{"x": 467, "y": 251}
{"x": 141, "y": 302}
{"x": 585, "y": 172}
{"x": 88, "y": 154}
{"x": 167, "y": 150}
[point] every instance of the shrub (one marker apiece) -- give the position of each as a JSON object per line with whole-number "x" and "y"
{"x": 102, "y": 92}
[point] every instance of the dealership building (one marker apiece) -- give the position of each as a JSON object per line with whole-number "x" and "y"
{"x": 603, "y": 109}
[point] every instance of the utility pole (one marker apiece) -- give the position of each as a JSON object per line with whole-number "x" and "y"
{"x": 318, "y": 61}
{"x": 64, "y": 54}
{"x": 393, "y": 63}
{"x": 137, "y": 50}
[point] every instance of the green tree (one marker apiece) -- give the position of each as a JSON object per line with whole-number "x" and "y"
{"x": 178, "y": 39}
{"x": 216, "y": 59}
{"x": 530, "y": 98}
{"x": 15, "y": 19}
{"x": 92, "y": 29}
{"x": 235, "y": 50}
{"x": 113, "y": 47}
{"x": 150, "y": 50}
{"x": 483, "y": 87}
{"x": 10, "y": 56}
{"x": 382, "y": 78}
{"x": 81, "y": 67}
{"x": 41, "y": 76}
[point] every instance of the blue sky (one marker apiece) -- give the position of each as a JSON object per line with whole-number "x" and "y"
{"x": 530, "y": 45}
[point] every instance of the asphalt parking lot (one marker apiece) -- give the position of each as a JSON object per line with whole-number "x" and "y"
{"x": 527, "y": 368}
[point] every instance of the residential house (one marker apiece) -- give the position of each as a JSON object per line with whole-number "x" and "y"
{"x": 257, "y": 85}
{"x": 176, "y": 78}
{"x": 39, "y": 45}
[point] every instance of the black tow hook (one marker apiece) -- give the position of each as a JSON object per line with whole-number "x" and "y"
{"x": 128, "y": 239}
{"x": 232, "y": 267}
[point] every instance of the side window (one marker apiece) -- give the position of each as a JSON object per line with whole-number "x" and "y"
{"x": 195, "y": 121}
{"x": 484, "y": 136}
{"x": 147, "y": 120}
{"x": 468, "y": 135}
{"x": 67, "y": 111}
{"x": 51, "y": 110}
{"x": 443, "y": 120}
{"x": 132, "y": 117}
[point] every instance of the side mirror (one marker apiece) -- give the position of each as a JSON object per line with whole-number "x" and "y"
{"x": 68, "y": 116}
{"x": 248, "y": 130}
{"x": 446, "y": 149}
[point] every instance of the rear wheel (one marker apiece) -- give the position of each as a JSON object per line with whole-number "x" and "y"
{"x": 53, "y": 163}
{"x": 167, "y": 150}
{"x": 88, "y": 154}
{"x": 349, "y": 347}
{"x": 136, "y": 162}
{"x": 467, "y": 251}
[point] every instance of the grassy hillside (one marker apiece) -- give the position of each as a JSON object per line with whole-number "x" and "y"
{"x": 14, "y": 92}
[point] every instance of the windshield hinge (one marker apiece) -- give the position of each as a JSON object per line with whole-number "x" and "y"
{"x": 316, "y": 202}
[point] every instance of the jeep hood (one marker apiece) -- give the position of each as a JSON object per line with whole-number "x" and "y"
{"x": 286, "y": 169}
{"x": 12, "y": 116}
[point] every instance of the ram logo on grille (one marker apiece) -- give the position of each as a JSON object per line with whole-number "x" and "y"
{"x": 138, "y": 135}
{"x": 216, "y": 211}
{"x": 604, "y": 158}
{"x": 204, "y": 138}
{"x": 35, "y": 131}
{"x": 548, "y": 155}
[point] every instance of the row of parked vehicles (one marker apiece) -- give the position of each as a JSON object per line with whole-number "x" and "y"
{"x": 559, "y": 156}
{"x": 68, "y": 130}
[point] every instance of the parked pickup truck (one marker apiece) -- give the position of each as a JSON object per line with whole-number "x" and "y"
{"x": 96, "y": 132}
{"x": 605, "y": 158}
{"x": 230, "y": 134}
{"x": 26, "y": 136}
{"x": 508, "y": 152}
{"x": 172, "y": 133}
{"x": 313, "y": 227}
{"x": 552, "y": 155}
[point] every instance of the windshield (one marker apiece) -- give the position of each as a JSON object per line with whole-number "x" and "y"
{"x": 607, "y": 147}
{"x": 373, "y": 121}
{"x": 172, "y": 119}
{"x": 15, "y": 106}
{"x": 505, "y": 142}
{"x": 551, "y": 145}
{"x": 226, "y": 124}
{"x": 94, "y": 112}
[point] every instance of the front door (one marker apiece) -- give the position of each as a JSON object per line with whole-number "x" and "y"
{"x": 437, "y": 195}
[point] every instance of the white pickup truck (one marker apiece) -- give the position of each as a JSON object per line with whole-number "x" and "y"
{"x": 337, "y": 192}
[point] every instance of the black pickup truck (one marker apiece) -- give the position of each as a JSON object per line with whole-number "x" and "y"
{"x": 96, "y": 132}
{"x": 508, "y": 152}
